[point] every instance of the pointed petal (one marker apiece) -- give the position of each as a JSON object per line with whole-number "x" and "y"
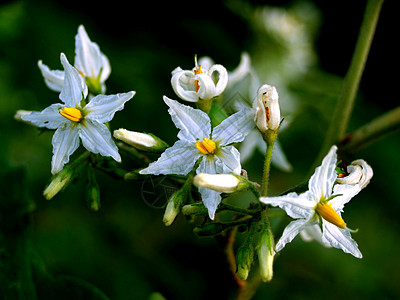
{"x": 279, "y": 159}
{"x": 347, "y": 192}
{"x": 321, "y": 182}
{"x": 49, "y": 117}
{"x": 313, "y": 232}
{"x": 178, "y": 159}
{"x": 106, "y": 69}
{"x": 54, "y": 79}
{"x": 222, "y": 78}
{"x": 290, "y": 232}
{"x": 193, "y": 123}
{"x": 340, "y": 239}
{"x": 296, "y": 206}
{"x": 250, "y": 143}
{"x": 103, "y": 107}
{"x": 241, "y": 70}
{"x": 74, "y": 88}
{"x": 65, "y": 141}
{"x": 183, "y": 85}
{"x": 234, "y": 128}
{"x": 230, "y": 158}
{"x": 96, "y": 138}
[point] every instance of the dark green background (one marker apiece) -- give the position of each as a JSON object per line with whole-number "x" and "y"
{"x": 124, "y": 249}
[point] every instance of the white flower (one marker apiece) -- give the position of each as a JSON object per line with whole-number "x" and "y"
{"x": 358, "y": 172}
{"x": 268, "y": 115}
{"x": 139, "y": 140}
{"x": 89, "y": 61}
{"x": 224, "y": 183}
{"x": 322, "y": 204}
{"x": 198, "y": 141}
{"x": 75, "y": 119}
{"x": 198, "y": 83}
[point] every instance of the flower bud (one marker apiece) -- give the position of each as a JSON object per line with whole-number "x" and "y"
{"x": 224, "y": 183}
{"x": 141, "y": 141}
{"x": 58, "y": 182}
{"x": 173, "y": 208}
{"x": 359, "y": 172}
{"x": 194, "y": 209}
{"x": 266, "y": 253}
{"x": 268, "y": 116}
{"x": 244, "y": 259}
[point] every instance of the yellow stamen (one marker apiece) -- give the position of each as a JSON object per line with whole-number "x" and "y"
{"x": 80, "y": 72}
{"x": 341, "y": 175}
{"x": 71, "y": 113}
{"x": 207, "y": 146}
{"x": 196, "y": 82}
{"x": 326, "y": 211}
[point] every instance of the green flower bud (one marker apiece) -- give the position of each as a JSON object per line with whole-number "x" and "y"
{"x": 266, "y": 253}
{"x": 244, "y": 259}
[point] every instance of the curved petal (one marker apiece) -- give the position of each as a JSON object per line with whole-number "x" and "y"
{"x": 296, "y": 206}
{"x": 279, "y": 159}
{"x": 241, "y": 70}
{"x": 207, "y": 88}
{"x": 88, "y": 58}
{"x": 183, "y": 85}
{"x": 250, "y": 143}
{"x": 347, "y": 192}
{"x": 178, "y": 159}
{"x": 291, "y": 231}
{"x": 49, "y": 117}
{"x": 205, "y": 62}
{"x": 54, "y": 79}
{"x": 193, "y": 123}
{"x": 230, "y": 158}
{"x": 106, "y": 68}
{"x": 321, "y": 182}
{"x": 222, "y": 78}
{"x": 103, "y": 107}
{"x": 234, "y": 128}
{"x": 340, "y": 239}
{"x": 65, "y": 141}
{"x": 96, "y": 138}
{"x": 74, "y": 88}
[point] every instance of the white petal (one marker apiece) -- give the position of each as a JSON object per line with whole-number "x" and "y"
{"x": 193, "y": 123}
{"x": 88, "y": 58}
{"x": 347, "y": 192}
{"x": 49, "y": 117}
{"x": 54, "y": 79}
{"x": 103, "y": 107}
{"x": 207, "y": 88}
{"x": 296, "y": 206}
{"x": 230, "y": 158}
{"x": 178, "y": 159}
{"x": 250, "y": 143}
{"x": 106, "y": 69}
{"x": 96, "y": 138}
{"x": 241, "y": 70}
{"x": 291, "y": 231}
{"x": 279, "y": 159}
{"x": 340, "y": 239}
{"x": 313, "y": 232}
{"x": 234, "y": 128}
{"x": 222, "y": 78}
{"x": 205, "y": 62}
{"x": 65, "y": 141}
{"x": 183, "y": 85}
{"x": 321, "y": 182}
{"x": 74, "y": 88}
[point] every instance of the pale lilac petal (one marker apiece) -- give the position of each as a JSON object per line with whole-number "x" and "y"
{"x": 54, "y": 79}
{"x": 96, "y": 138}
{"x": 230, "y": 158}
{"x": 103, "y": 107}
{"x": 49, "y": 117}
{"x": 65, "y": 141}
{"x": 178, "y": 159}
{"x": 340, "y": 239}
{"x": 291, "y": 231}
{"x": 194, "y": 124}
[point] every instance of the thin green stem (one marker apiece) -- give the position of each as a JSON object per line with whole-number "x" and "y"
{"x": 344, "y": 106}
{"x": 267, "y": 165}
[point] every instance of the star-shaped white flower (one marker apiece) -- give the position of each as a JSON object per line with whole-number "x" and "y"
{"x": 198, "y": 83}
{"x": 89, "y": 61}
{"x": 197, "y": 140}
{"x": 322, "y": 204}
{"x": 75, "y": 119}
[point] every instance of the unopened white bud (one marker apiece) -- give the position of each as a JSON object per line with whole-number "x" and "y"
{"x": 224, "y": 183}
{"x": 58, "y": 183}
{"x": 141, "y": 141}
{"x": 268, "y": 116}
{"x": 173, "y": 208}
{"x": 266, "y": 255}
{"x": 359, "y": 172}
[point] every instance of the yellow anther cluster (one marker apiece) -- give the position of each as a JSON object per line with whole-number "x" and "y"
{"x": 326, "y": 211}
{"x": 71, "y": 113}
{"x": 206, "y": 146}
{"x": 196, "y": 82}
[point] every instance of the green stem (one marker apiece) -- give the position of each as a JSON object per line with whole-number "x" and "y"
{"x": 270, "y": 137}
{"x": 369, "y": 132}
{"x": 345, "y": 103}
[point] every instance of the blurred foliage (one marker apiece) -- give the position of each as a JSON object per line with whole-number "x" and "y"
{"x": 124, "y": 249}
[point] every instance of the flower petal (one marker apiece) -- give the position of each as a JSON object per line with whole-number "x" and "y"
{"x": 97, "y": 139}
{"x": 291, "y": 231}
{"x": 252, "y": 141}
{"x": 230, "y": 158}
{"x": 241, "y": 70}
{"x": 340, "y": 239}
{"x": 54, "y": 79}
{"x": 279, "y": 159}
{"x": 347, "y": 192}
{"x": 296, "y": 206}
{"x": 103, "y": 107}
{"x": 313, "y": 232}
{"x": 207, "y": 86}
{"x": 65, "y": 141}
{"x": 222, "y": 78}
{"x": 74, "y": 88}
{"x": 321, "y": 182}
{"x": 178, "y": 159}
{"x": 183, "y": 85}
{"x": 49, "y": 117}
{"x": 234, "y": 128}
{"x": 193, "y": 123}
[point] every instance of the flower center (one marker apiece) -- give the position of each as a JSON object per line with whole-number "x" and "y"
{"x": 71, "y": 113}
{"x": 326, "y": 211}
{"x": 206, "y": 146}
{"x": 196, "y": 82}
